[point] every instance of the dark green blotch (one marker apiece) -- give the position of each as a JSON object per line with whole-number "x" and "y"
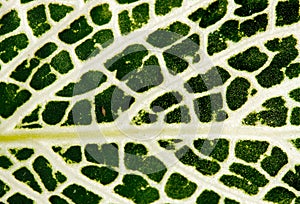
{"x": 44, "y": 169}
{"x": 42, "y": 78}
{"x": 109, "y": 102}
{"x": 250, "y": 60}
{"x": 287, "y": 12}
{"x": 77, "y": 31}
{"x": 144, "y": 117}
{"x": 22, "y": 154}
{"x": 280, "y": 195}
{"x": 18, "y": 198}
{"x": 178, "y": 115}
{"x": 217, "y": 148}
{"x": 54, "y": 112}
{"x": 62, "y": 62}
{"x": 32, "y": 126}
{"x": 137, "y": 189}
{"x": 293, "y": 179}
{"x": 12, "y": 97}
{"x": 59, "y": 11}
{"x": 79, "y": 195}
{"x": 296, "y": 143}
{"x": 25, "y": 176}
{"x": 101, "y": 14}
{"x": 252, "y": 26}
{"x": 250, "y": 151}
{"x": 295, "y": 94}
{"x": 71, "y": 155}
{"x": 249, "y": 7}
{"x": 3, "y": 188}
{"x": 23, "y": 71}
{"x": 106, "y": 154}
{"x": 57, "y": 200}
{"x": 174, "y": 63}
{"x": 126, "y": 1}
{"x": 179, "y": 187}
{"x": 162, "y": 7}
{"x": 169, "y": 144}
{"x": 46, "y": 50}
{"x": 293, "y": 70}
{"x": 9, "y": 22}
{"x": 37, "y": 20}
{"x": 25, "y": 1}
{"x": 207, "y": 196}
{"x": 186, "y": 156}
{"x": 295, "y": 116}
{"x": 214, "y": 77}
{"x": 104, "y": 175}
{"x": 10, "y": 47}
{"x": 272, "y": 164}
{"x": 80, "y": 114}
{"x": 240, "y": 183}
{"x": 127, "y": 61}
{"x": 230, "y": 201}
{"x": 165, "y": 101}
{"x": 32, "y": 117}
{"x": 237, "y": 93}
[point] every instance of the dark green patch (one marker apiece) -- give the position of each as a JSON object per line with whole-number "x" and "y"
{"x": 137, "y": 189}
{"x": 46, "y": 50}
{"x": 212, "y": 14}
{"x": 275, "y": 114}
{"x": 101, "y": 14}
{"x": 165, "y": 101}
{"x": 240, "y": 183}
{"x": 179, "y": 187}
{"x": 32, "y": 117}
{"x": 178, "y": 115}
{"x": 57, "y": 200}
{"x": 250, "y": 151}
{"x": 293, "y": 179}
{"x": 295, "y": 116}
{"x": 217, "y": 148}
{"x": 42, "y": 78}
{"x": 54, "y": 112}
{"x": 280, "y": 195}
{"x": 25, "y": 1}
{"x": 126, "y": 1}
{"x": 162, "y": 7}
{"x": 237, "y": 93}
{"x": 207, "y": 196}
{"x": 79, "y": 195}
{"x": 37, "y": 20}
{"x": 214, "y": 77}
{"x": 249, "y": 7}
{"x": 293, "y": 70}
{"x": 18, "y": 198}
{"x": 174, "y": 63}
{"x": 77, "y": 31}
{"x": 295, "y": 94}
{"x": 272, "y": 164}
{"x": 140, "y": 17}
{"x": 296, "y": 143}
{"x": 23, "y": 71}
{"x": 4, "y": 188}
{"x": 62, "y": 62}
{"x": 71, "y": 155}
{"x": 25, "y": 176}
{"x": 169, "y": 144}
{"x": 10, "y": 47}
{"x": 12, "y": 97}
{"x": 22, "y": 154}
{"x": 143, "y": 117}
{"x": 80, "y": 114}
{"x": 9, "y": 22}
{"x": 204, "y": 166}
{"x": 250, "y": 60}
{"x": 59, "y": 11}
{"x": 287, "y": 12}
{"x": 110, "y": 102}
{"x": 103, "y": 175}
{"x": 230, "y": 201}
{"x": 106, "y": 154}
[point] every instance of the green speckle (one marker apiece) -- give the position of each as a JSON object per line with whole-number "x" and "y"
{"x": 62, "y": 62}
{"x": 10, "y": 47}
{"x": 46, "y": 50}
{"x": 272, "y": 164}
{"x": 79, "y": 195}
{"x": 162, "y": 7}
{"x": 23, "y": 71}
{"x": 78, "y": 30}
{"x": 42, "y": 78}
{"x": 104, "y": 175}
{"x": 165, "y": 101}
{"x": 295, "y": 116}
{"x": 250, "y": 151}
{"x": 3, "y": 188}
{"x": 54, "y": 112}
{"x": 207, "y": 196}
{"x": 137, "y": 189}
{"x": 287, "y": 12}
{"x": 18, "y": 198}
{"x": 178, "y": 115}
{"x": 101, "y": 14}
{"x": 179, "y": 187}
{"x": 80, "y": 114}
{"x": 237, "y": 93}
{"x": 249, "y": 7}
{"x": 22, "y": 154}
{"x": 280, "y": 195}
{"x": 217, "y": 148}
{"x": 250, "y": 60}
{"x": 59, "y": 11}
{"x": 9, "y": 22}
{"x": 12, "y": 97}
{"x": 25, "y": 176}
{"x": 38, "y": 20}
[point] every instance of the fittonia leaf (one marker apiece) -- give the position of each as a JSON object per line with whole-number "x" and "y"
{"x": 149, "y": 101}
